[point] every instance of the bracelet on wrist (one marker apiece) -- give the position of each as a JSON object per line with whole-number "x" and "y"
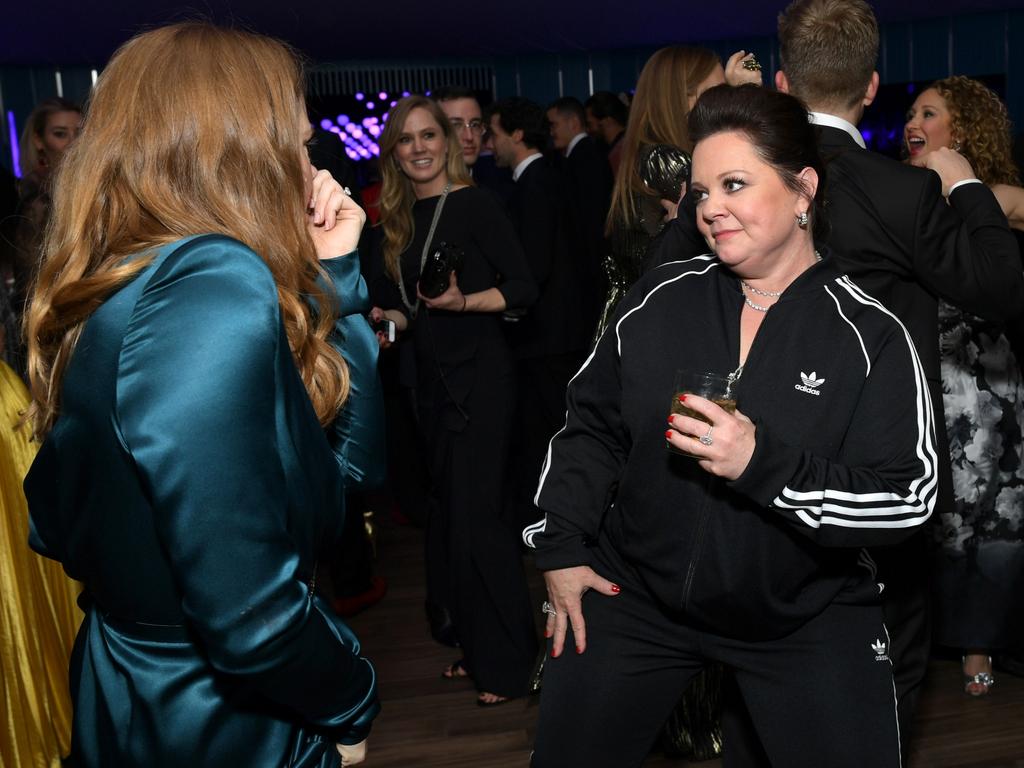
{"x": 463, "y": 303}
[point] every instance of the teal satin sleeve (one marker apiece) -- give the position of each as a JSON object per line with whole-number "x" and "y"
{"x": 357, "y": 435}
{"x": 213, "y": 412}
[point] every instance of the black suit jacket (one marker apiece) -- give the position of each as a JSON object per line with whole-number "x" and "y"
{"x": 539, "y": 208}
{"x": 892, "y": 231}
{"x": 590, "y": 185}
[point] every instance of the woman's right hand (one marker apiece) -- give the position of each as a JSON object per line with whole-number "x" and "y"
{"x": 737, "y": 74}
{"x": 352, "y": 754}
{"x": 377, "y": 314}
{"x": 565, "y": 590}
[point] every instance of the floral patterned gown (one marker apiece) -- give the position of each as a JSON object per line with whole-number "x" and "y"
{"x": 980, "y": 574}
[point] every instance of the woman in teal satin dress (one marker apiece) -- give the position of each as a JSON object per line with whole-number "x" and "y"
{"x": 207, "y": 392}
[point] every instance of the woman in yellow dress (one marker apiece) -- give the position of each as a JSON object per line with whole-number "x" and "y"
{"x": 38, "y": 614}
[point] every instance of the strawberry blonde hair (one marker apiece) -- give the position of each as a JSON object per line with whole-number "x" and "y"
{"x": 191, "y": 129}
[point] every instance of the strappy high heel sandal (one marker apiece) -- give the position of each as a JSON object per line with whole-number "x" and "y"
{"x": 979, "y": 684}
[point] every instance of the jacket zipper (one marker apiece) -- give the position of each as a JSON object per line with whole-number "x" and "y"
{"x": 697, "y": 545}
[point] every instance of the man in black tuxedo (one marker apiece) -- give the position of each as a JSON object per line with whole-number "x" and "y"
{"x": 551, "y": 339}
{"x": 590, "y": 185}
{"x": 908, "y": 236}
{"x": 606, "y": 121}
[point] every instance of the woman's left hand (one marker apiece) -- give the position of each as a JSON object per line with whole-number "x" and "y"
{"x": 335, "y": 221}
{"x": 453, "y": 299}
{"x": 737, "y": 74}
{"x": 731, "y": 434}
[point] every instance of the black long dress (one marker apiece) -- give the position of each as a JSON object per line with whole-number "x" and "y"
{"x": 465, "y": 393}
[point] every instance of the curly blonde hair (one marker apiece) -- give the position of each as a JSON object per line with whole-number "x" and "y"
{"x": 979, "y": 122}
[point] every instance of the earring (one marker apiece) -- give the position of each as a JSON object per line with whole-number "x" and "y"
{"x": 802, "y": 219}
{"x": 956, "y": 145}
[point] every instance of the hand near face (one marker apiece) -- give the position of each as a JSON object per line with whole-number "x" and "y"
{"x": 335, "y": 220}
{"x": 732, "y": 438}
{"x": 737, "y": 74}
{"x": 951, "y": 166}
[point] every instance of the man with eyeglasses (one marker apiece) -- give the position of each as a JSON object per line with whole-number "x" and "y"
{"x": 466, "y": 118}
{"x": 464, "y": 114}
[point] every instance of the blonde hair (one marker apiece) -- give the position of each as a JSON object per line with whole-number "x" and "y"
{"x": 35, "y": 128}
{"x": 191, "y": 129}
{"x": 396, "y": 192}
{"x": 978, "y": 120}
{"x": 828, "y": 50}
{"x": 657, "y": 116}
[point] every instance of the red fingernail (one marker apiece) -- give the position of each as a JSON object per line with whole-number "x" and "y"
{"x": 548, "y": 633}
{"x": 682, "y": 398}
{"x": 670, "y": 417}
{"x": 616, "y": 588}
{"x": 668, "y": 434}
{"x": 578, "y": 649}
{"x": 555, "y": 654}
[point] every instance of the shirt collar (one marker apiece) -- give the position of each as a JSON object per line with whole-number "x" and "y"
{"x": 823, "y": 118}
{"x": 572, "y": 144}
{"x": 523, "y": 164}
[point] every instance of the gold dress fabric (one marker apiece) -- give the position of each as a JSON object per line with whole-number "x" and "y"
{"x": 38, "y": 613}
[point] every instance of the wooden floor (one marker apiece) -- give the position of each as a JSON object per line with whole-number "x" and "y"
{"x": 429, "y": 722}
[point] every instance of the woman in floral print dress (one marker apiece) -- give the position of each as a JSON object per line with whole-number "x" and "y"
{"x": 980, "y": 573}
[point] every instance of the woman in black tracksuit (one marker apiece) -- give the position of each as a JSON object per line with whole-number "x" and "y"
{"x": 752, "y": 554}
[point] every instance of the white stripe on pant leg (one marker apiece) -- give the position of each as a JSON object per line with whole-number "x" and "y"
{"x": 895, "y": 696}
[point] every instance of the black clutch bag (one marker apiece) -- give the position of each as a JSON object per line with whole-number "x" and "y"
{"x": 441, "y": 262}
{"x": 664, "y": 169}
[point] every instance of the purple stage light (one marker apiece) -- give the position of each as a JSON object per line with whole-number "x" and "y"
{"x": 335, "y": 129}
{"x": 375, "y": 150}
{"x": 368, "y": 121}
{"x": 352, "y": 153}
{"x": 394, "y": 103}
{"x": 12, "y": 128}
{"x": 910, "y": 88}
{"x": 384, "y": 117}
{"x": 351, "y": 127}
{"x": 867, "y": 133}
{"x": 370, "y": 105}
{"x": 382, "y": 95}
{"x": 357, "y": 133}
{"x": 326, "y": 124}
{"x": 343, "y": 120}
{"x": 374, "y": 131}
{"x": 360, "y": 97}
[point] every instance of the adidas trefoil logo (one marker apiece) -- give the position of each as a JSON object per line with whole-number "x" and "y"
{"x": 810, "y": 383}
{"x": 879, "y": 648}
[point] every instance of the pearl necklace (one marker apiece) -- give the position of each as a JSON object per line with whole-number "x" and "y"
{"x": 767, "y": 294}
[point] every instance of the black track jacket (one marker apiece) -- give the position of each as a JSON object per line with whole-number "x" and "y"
{"x": 845, "y": 450}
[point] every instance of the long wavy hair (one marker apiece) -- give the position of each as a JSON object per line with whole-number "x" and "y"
{"x": 978, "y": 120}
{"x": 396, "y": 193}
{"x": 191, "y": 129}
{"x": 657, "y": 116}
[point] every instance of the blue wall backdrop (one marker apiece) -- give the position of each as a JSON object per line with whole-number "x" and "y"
{"x": 984, "y": 44}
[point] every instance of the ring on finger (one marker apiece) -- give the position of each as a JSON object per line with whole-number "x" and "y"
{"x": 549, "y": 609}
{"x": 707, "y": 439}
{"x": 752, "y": 64}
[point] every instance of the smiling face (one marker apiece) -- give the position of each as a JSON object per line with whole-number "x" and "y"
{"x": 744, "y": 209}
{"x": 929, "y": 124}
{"x": 421, "y": 152}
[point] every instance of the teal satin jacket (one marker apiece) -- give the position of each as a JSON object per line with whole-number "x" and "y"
{"x": 188, "y": 484}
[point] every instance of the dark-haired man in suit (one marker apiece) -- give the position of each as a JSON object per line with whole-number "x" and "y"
{"x": 590, "y": 185}
{"x": 908, "y": 236}
{"x": 606, "y": 121}
{"x": 551, "y": 339}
